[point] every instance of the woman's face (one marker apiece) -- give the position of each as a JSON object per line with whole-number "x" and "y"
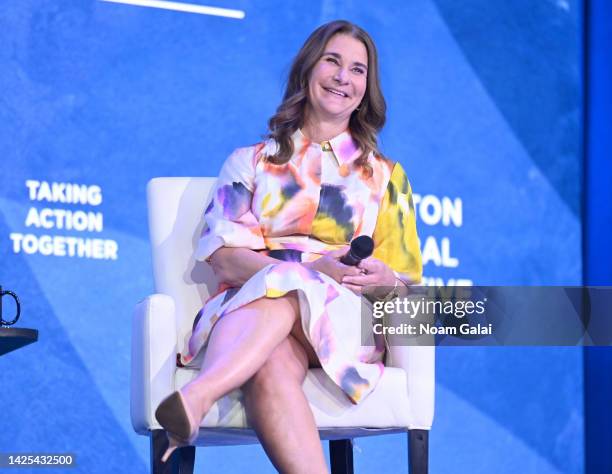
{"x": 338, "y": 80}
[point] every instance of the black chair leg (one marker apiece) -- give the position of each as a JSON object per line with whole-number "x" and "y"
{"x": 181, "y": 461}
{"x": 418, "y": 451}
{"x": 341, "y": 456}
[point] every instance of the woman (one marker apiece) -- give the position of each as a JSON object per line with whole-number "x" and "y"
{"x": 300, "y": 196}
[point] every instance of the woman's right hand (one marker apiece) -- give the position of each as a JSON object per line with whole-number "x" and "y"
{"x": 331, "y": 265}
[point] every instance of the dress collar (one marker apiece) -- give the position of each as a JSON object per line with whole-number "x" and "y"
{"x": 343, "y": 146}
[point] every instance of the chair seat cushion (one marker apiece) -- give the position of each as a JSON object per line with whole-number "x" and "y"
{"x": 386, "y": 407}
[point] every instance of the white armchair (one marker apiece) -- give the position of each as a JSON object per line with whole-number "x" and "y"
{"x": 402, "y": 402}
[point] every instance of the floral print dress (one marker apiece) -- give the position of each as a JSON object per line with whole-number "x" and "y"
{"x": 295, "y": 212}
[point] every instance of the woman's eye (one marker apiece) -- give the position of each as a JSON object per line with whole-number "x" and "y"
{"x": 332, "y": 60}
{"x": 358, "y": 70}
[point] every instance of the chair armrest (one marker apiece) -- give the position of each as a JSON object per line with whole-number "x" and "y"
{"x": 419, "y": 364}
{"x": 154, "y": 347}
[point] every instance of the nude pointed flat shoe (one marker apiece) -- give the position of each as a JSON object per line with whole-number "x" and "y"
{"x": 175, "y": 417}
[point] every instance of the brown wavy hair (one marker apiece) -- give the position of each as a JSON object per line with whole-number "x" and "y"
{"x": 365, "y": 122}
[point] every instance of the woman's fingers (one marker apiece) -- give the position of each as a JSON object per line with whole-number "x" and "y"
{"x": 384, "y": 276}
{"x": 361, "y": 279}
{"x": 338, "y": 253}
{"x": 349, "y": 270}
{"x": 371, "y": 265}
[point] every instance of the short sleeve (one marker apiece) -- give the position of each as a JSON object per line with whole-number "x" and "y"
{"x": 395, "y": 236}
{"x": 229, "y": 220}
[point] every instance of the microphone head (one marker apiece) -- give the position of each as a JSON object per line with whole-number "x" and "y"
{"x": 362, "y": 246}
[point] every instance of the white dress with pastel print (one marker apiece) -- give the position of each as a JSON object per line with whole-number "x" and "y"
{"x": 295, "y": 212}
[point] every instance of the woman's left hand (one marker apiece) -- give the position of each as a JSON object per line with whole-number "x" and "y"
{"x": 374, "y": 273}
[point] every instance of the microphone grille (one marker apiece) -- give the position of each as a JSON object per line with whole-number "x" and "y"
{"x": 362, "y": 246}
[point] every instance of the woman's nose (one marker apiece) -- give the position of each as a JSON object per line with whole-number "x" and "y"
{"x": 341, "y": 75}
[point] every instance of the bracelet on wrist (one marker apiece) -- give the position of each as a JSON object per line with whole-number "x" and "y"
{"x": 394, "y": 293}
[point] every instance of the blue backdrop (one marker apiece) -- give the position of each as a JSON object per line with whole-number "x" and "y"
{"x": 597, "y": 225}
{"x": 484, "y": 113}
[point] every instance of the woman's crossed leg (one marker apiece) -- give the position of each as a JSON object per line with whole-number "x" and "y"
{"x": 261, "y": 347}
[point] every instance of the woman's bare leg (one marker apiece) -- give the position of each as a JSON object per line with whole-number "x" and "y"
{"x": 252, "y": 348}
{"x": 239, "y": 345}
{"x": 278, "y": 410}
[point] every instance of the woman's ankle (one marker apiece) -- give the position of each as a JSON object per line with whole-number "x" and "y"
{"x": 197, "y": 400}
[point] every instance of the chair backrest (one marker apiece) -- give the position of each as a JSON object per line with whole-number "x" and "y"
{"x": 176, "y": 207}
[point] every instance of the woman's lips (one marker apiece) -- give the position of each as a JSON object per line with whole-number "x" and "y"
{"x": 336, "y": 92}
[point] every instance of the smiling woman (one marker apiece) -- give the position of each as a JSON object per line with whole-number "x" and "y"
{"x": 337, "y": 83}
{"x": 281, "y": 216}
{"x": 340, "y": 58}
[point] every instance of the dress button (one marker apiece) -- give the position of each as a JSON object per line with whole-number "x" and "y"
{"x": 325, "y": 146}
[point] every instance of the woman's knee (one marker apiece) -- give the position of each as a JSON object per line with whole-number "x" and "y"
{"x": 287, "y": 304}
{"x": 287, "y": 363}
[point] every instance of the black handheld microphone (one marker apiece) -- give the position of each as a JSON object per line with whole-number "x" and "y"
{"x": 361, "y": 247}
